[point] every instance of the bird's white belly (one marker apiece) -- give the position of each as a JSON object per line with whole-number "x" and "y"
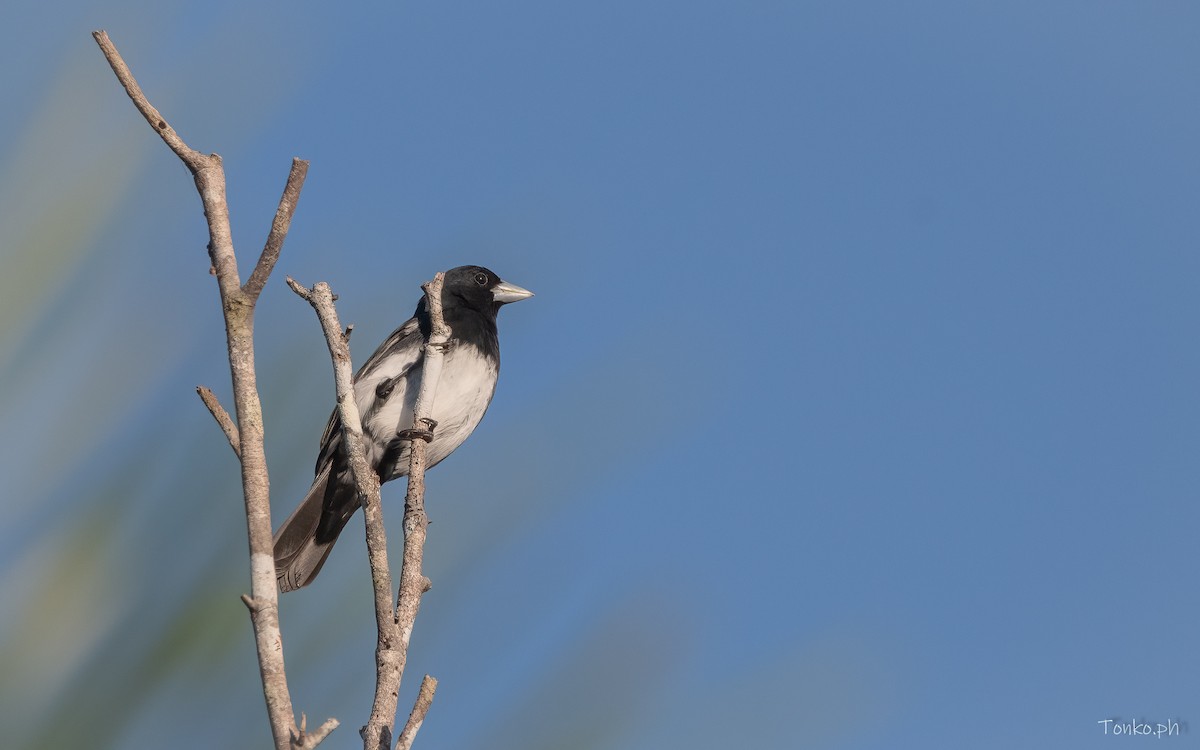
{"x": 464, "y": 390}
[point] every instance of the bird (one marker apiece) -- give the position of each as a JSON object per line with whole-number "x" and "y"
{"x": 385, "y": 390}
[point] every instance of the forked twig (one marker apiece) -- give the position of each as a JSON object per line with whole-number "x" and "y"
{"x": 247, "y": 436}
{"x": 394, "y": 624}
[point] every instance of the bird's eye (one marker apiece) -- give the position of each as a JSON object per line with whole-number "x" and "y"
{"x": 481, "y": 279}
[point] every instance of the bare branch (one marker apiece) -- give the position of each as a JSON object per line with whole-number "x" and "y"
{"x": 238, "y": 308}
{"x": 279, "y": 229}
{"x": 206, "y": 169}
{"x": 305, "y": 740}
{"x": 417, "y": 717}
{"x": 222, "y": 417}
{"x": 388, "y": 661}
{"x": 192, "y": 158}
{"x": 413, "y": 583}
{"x": 394, "y": 625}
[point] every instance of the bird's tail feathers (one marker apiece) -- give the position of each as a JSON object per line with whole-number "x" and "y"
{"x": 298, "y": 554}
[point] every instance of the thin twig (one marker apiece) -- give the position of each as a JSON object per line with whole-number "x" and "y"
{"x": 238, "y": 308}
{"x": 312, "y": 739}
{"x": 377, "y": 733}
{"x": 192, "y": 158}
{"x": 394, "y": 625}
{"x": 223, "y": 419}
{"x": 279, "y": 229}
{"x": 413, "y": 583}
{"x": 417, "y": 717}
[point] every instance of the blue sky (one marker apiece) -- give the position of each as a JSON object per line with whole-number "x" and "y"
{"x": 855, "y": 408}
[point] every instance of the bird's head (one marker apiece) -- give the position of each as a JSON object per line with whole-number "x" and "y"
{"x": 480, "y": 289}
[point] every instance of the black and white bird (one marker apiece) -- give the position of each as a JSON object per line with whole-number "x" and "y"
{"x": 385, "y": 389}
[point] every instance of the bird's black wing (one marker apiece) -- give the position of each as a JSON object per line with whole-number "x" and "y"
{"x": 388, "y": 367}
